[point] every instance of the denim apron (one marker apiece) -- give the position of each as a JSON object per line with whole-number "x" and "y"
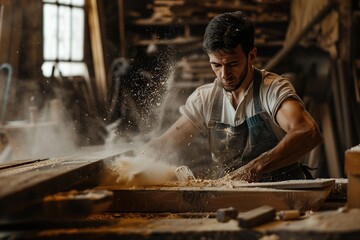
{"x": 234, "y": 146}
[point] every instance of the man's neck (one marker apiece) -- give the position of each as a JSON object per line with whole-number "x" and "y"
{"x": 238, "y": 94}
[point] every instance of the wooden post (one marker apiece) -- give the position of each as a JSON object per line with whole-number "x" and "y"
{"x": 97, "y": 51}
{"x": 122, "y": 28}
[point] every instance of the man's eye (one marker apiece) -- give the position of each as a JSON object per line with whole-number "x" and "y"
{"x": 233, "y": 64}
{"x": 216, "y": 65}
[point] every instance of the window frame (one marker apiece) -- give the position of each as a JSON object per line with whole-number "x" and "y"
{"x": 63, "y": 66}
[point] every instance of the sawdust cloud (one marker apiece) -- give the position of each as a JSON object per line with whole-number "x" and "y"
{"x": 42, "y": 134}
{"x": 138, "y": 171}
{"x": 137, "y": 165}
{"x": 143, "y": 167}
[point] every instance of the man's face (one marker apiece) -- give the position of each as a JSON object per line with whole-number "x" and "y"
{"x": 230, "y": 68}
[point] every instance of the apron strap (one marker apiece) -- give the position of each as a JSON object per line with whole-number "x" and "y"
{"x": 217, "y": 106}
{"x": 256, "y": 91}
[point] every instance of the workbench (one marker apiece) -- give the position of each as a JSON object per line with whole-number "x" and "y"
{"x": 34, "y": 204}
{"x": 319, "y": 225}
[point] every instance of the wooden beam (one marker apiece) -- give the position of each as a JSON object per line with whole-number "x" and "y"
{"x": 301, "y": 34}
{"x": 210, "y": 199}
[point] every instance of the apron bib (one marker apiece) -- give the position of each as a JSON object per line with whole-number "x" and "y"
{"x": 234, "y": 146}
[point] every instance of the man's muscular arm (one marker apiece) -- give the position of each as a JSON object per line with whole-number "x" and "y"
{"x": 178, "y": 135}
{"x": 302, "y": 135}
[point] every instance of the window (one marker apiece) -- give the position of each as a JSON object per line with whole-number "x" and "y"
{"x": 63, "y": 28}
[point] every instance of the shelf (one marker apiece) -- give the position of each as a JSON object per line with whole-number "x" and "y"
{"x": 175, "y": 41}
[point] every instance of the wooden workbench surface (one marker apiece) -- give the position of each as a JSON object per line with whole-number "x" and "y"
{"x": 320, "y": 225}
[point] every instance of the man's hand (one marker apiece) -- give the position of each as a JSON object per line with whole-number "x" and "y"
{"x": 251, "y": 172}
{"x": 245, "y": 173}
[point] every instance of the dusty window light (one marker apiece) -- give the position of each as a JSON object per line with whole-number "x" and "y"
{"x": 63, "y": 30}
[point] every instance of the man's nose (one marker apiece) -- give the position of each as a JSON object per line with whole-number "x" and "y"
{"x": 225, "y": 73}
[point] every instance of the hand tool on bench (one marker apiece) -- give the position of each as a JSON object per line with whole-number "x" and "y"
{"x": 288, "y": 214}
{"x": 226, "y": 214}
{"x": 247, "y": 219}
{"x": 256, "y": 216}
{"x": 184, "y": 174}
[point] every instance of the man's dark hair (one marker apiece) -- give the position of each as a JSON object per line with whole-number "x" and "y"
{"x": 226, "y": 31}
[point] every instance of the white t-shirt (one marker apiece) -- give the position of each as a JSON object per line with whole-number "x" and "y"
{"x": 274, "y": 89}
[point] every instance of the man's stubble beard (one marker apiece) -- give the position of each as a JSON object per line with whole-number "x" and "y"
{"x": 241, "y": 80}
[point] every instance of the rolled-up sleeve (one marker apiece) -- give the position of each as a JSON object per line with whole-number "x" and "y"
{"x": 276, "y": 93}
{"x": 193, "y": 109}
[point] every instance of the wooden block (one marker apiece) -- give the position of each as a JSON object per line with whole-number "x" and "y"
{"x": 226, "y": 214}
{"x": 352, "y": 168}
{"x": 354, "y": 191}
{"x": 352, "y": 161}
{"x": 288, "y": 214}
{"x": 256, "y": 216}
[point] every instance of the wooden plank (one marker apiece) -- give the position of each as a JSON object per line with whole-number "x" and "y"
{"x": 175, "y": 41}
{"x": 27, "y": 184}
{"x": 322, "y": 225}
{"x": 210, "y": 199}
{"x": 16, "y": 163}
{"x": 292, "y": 184}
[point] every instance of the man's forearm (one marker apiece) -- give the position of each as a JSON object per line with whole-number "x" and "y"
{"x": 295, "y": 144}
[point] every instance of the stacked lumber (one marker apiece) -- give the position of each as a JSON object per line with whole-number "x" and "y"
{"x": 195, "y": 69}
{"x": 270, "y": 16}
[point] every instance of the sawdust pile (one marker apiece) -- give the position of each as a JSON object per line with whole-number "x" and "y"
{"x": 138, "y": 171}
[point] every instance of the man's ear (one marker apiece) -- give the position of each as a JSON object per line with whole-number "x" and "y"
{"x": 252, "y": 56}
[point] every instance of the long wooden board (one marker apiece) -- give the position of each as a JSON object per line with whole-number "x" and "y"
{"x": 26, "y": 184}
{"x": 292, "y": 184}
{"x": 209, "y": 199}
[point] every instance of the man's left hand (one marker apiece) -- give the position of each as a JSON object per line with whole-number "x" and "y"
{"x": 243, "y": 173}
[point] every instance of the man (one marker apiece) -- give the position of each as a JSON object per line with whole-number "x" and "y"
{"x": 257, "y": 126}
